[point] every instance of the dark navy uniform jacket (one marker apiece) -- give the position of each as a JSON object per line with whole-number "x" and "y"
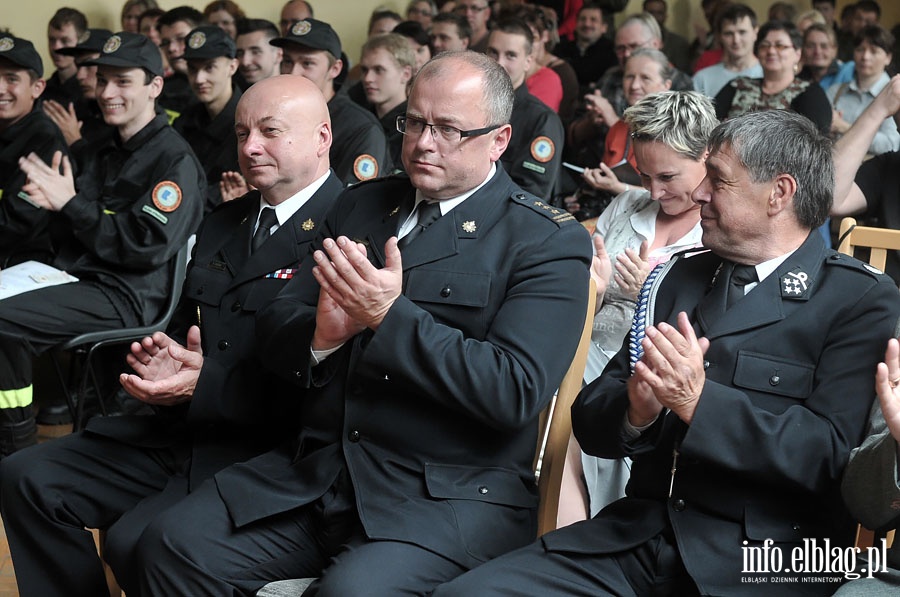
{"x": 23, "y": 227}
{"x": 136, "y": 204}
{"x": 434, "y": 415}
{"x": 213, "y": 141}
{"x": 789, "y": 382}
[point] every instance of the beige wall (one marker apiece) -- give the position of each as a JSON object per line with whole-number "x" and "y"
{"x": 348, "y": 17}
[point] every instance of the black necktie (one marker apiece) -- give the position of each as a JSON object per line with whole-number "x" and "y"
{"x": 740, "y": 277}
{"x": 267, "y": 219}
{"x": 428, "y": 213}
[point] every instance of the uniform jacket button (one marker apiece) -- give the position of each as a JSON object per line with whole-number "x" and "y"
{"x": 483, "y": 490}
{"x": 353, "y": 436}
{"x": 774, "y": 380}
{"x": 705, "y": 364}
{"x": 445, "y": 291}
{"x": 236, "y": 306}
{"x": 224, "y": 345}
{"x": 298, "y": 373}
{"x": 678, "y": 505}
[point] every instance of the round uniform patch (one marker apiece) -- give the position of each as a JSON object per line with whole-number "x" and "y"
{"x": 167, "y": 196}
{"x": 365, "y": 167}
{"x": 112, "y": 44}
{"x": 6, "y": 44}
{"x": 197, "y": 40}
{"x": 301, "y": 28}
{"x": 542, "y": 149}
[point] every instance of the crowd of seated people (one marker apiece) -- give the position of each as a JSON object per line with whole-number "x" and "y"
{"x": 355, "y": 370}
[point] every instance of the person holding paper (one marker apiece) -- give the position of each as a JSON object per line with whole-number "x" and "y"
{"x": 116, "y": 228}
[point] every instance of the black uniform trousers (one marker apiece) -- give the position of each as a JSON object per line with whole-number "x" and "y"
{"x": 199, "y": 535}
{"x": 81, "y": 480}
{"x": 35, "y": 321}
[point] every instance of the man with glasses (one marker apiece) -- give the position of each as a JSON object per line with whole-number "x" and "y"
{"x": 478, "y": 13}
{"x": 605, "y": 105}
{"x": 422, "y": 366}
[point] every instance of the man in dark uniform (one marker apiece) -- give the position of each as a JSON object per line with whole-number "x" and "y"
{"x": 208, "y": 126}
{"x": 174, "y": 27}
{"x": 67, "y": 28}
{"x": 876, "y": 190}
{"x": 738, "y": 395}
{"x": 533, "y": 157}
{"x": 116, "y": 229}
{"x": 215, "y": 403}
{"x": 24, "y": 129}
{"x": 420, "y": 418}
{"x": 359, "y": 150}
{"x": 82, "y": 123}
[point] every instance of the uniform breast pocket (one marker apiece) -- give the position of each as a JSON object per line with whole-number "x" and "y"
{"x": 206, "y": 286}
{"x": 774, "y": 375}
{"x": 453, "y": 298}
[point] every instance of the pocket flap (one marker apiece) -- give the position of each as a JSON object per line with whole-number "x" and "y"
{"x": 449, "y": 287}
{"x": 773, "y": 375}
{"x": 494, "y": 485}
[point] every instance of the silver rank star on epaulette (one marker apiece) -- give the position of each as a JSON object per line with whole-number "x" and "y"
{"x": 795, "y": 284}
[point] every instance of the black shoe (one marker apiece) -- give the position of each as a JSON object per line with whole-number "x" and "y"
{"x": 15, "y": 436}
{"x": 54, "y": 414}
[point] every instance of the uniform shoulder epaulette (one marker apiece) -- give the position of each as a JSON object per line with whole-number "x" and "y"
{"x": 557, "y": 215}
{"x": 238, "y": 203}
{"x": 842, "y": 260}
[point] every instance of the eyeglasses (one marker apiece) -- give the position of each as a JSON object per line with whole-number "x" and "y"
{"x": 463, "y": 9}
{"x": 440, "y": 132}
{"x": 620, "y": 50}
{"x": 779, "y": 47}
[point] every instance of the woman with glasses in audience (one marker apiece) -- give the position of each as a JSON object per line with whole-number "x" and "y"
{"x": 872, "y": 56}
{"x": 778, "y": 47}
{"x": 225, "y": 15}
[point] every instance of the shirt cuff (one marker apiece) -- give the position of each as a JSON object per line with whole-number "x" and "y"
{"x": 317, "y": 356}
{"x": 630, "y": 432}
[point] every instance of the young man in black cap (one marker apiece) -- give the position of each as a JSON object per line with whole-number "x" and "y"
{"x": 117, "y": 229}
{"x": 81, "y": 122}
{"x": 359, "y": 150}
{"x": 23, "y": 129}
{"x": 208, "y": 126}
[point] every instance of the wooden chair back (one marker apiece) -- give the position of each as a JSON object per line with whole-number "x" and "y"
{"x": 557, "y": 427}
{"x": 878, "y": 240}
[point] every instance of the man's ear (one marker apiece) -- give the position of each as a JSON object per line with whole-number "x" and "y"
{"x": 782, "y": 194}
{"x": 37, "y": 88}
{"x": 501, "y": 140}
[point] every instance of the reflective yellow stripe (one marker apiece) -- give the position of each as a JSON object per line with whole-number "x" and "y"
{"x": 109, "y": 213}
{"x": 15, "y": 398}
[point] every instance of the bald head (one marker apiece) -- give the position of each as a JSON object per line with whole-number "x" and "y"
{"x": 284, "y": 135}
{"x": 292, "y": 12}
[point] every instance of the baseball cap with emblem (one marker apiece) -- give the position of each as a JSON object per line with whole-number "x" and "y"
{"x": 96, "y": 39}
{"x": 21, "y": 52}
{"x": 130, "y": 50}
{"x": 208, "y": 42}
{"x": 314, "y": 34}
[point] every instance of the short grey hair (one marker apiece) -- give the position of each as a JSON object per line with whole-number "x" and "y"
{"x": 496, "y": 86}
{"x": 801, "y": 152}
{"x": 645, "y": 20}
{"x": 666, "y": 70}
{"x": 680, "y": 120}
